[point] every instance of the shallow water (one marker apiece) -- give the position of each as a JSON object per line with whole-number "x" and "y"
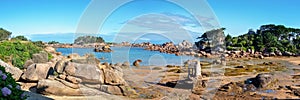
{"x": 122, "y": 54}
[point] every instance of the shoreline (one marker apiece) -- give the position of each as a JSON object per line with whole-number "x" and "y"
{"x": 293, "y": 60}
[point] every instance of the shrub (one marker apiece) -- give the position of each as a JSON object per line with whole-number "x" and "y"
{"x": 22, "y": 38}
{"x": 17, "y": 53}
{"x": 9, "y": 89}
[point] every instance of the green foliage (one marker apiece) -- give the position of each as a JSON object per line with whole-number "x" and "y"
{"x": 268, "y": 38}
{"x": 9, "y": 84}
{"x": 21, "y": 38}
{"x": 88, "y": 39}
{"x": 39, "y": 44}
{"x": 4, "y": 34}
{"x": 17, "y": 53}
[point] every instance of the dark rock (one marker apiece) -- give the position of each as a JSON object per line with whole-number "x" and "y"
{"x": 286, "y": 53}
{"x": 262, "y": 80}
{"x": 137, "y": 63}
{"x": 239, "y": 67}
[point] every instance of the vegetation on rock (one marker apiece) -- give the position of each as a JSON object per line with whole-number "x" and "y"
{"x": 88, "y": 39}
{"x": 4, "y": 34}
{"x": 269, "y": 38}
{"x": 17, "y": 52}
{"x": 10, "y": 90}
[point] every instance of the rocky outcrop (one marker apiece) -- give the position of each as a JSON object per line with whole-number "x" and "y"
{"x": 261, "y": 80}
{"x": 88, "y": 73}
{"x": 37, "y": 72}
{"x": 16, "y": 72}
{"x": 185, "y": 45}
{"x": 80, "y": 78}
{"x": 103, "y": 49}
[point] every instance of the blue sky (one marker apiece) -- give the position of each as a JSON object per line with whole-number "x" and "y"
{"x": 57, "y": 19}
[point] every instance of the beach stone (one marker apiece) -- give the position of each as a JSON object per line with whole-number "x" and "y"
{"x": 16, "y": 72}
{"x": 126, "y": 63}
{"x": 286, "y": 53}
{"x": 88, "y": 73}
{"x": 261, "y": 57}
{"x": 239, "y": 67}
{"x": 113, "y": 77}
{"x": 115, "y": 90}
{"x": 137, "y": 63}
{"x": 28, "y": 63}
{"x": 272, "y": 54}
{"x": 41, "y": 57}
{"x": 55, "y": 87}
{"x": 36, "y": 72}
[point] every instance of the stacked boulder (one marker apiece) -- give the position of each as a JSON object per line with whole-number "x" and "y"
{"x": 74, "y": 75}
{"x": 85, "y": 76}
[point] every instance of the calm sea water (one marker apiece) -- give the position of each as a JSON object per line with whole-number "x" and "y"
{"x": 122, "y": 54}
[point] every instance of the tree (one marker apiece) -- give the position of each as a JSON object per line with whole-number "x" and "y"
{"x": 4, "y": 34}
{"x": 22, "y": 38}
{"x": 53, "y": 42}
{"x": 88, "y": 39}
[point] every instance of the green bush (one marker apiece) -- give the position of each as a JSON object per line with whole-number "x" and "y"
{"x": 9, "y": 89}
{"x": 22, "y": 38}
{"x": 17, "y": 53}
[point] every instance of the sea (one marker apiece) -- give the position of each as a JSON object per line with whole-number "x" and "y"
{"x": 130, "y": 54}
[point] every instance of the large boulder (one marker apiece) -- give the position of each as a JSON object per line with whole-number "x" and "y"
{"x": 137, "y": 63}
{"x": 261, "y": 80}
{"x": 41, "y": 57}
{"x": 37, "y": 72}
{"x": 59, "y": 66}
{"x": 56, "y": 88}
{"x": 88, "y": 73}
{"x": 16, "y": 72}
{"x": 28, "y": 63}
{"x": 113, "y": 77}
